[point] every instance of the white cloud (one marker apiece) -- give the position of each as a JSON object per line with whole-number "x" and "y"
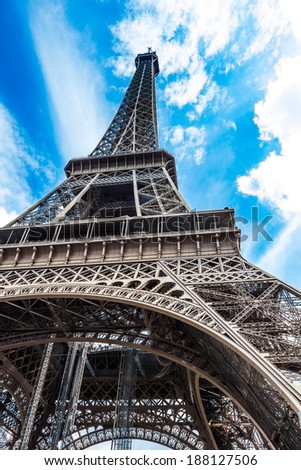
{"x": 6, "y": 216}
{"x": 187, "y": 34}
{"x": 178, "y": 30}
{"x": 230, "y": 125}
{"x": 276, "y": 180}
{"x": 19, "y": 162}
{"x": 187, "y": 90}
{"x": 211, "y": 92}
{"x": 189, "y": 142}
{"x": 274, "y": 19}
{"x": 72, "y": 78}
{"x": 177, "y": 135}
{"x": 269, "y": 23}
{"x": 279, "y": 114}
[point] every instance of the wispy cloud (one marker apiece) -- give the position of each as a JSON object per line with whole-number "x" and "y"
{"x": 276, "y": 258}
{"x": 178, "y": 30}
{"x": 19, "y": 163}
{"x": 183, "y": 31}
{"x": 189, "y": 141}
{"x": 272, "y": 20}
{"x": 187, "y": 89}
{"x": 73, "y": 80}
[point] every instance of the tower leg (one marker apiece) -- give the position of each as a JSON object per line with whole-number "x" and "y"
{"x": 76, "y": 387}
{"x": 35, "y": 400}
{"x": 63, "y": 395}
{"x": 125, "y": 393}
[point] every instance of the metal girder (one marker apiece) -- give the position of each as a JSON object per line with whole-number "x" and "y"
{"x": 85, "y": 197}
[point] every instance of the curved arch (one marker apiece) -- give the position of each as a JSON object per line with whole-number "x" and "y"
{"x": 169, "y": 429}
{"x": 178, "y": 440}
{"x": 188, "y": 313}
{"x": 15, "y": 399}
{"x": 197, "y": 315}
{"x": 9, "y": 381}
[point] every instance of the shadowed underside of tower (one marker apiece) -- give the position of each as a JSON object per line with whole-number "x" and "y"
{"x": 126, "y": 315}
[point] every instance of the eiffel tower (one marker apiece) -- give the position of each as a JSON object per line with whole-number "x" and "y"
{"x": 126, "y": 315}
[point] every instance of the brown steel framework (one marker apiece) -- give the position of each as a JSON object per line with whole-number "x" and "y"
{"x": 126, "y": 315}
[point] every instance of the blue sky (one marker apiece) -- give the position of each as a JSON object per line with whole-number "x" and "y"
{"x": 228, "y": 96}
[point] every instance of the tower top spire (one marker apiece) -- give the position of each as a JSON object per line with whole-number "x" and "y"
{"x": 134, "y": 127}
{"x": 149, "y": 56}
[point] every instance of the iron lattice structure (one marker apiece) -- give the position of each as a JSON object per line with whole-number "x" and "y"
{"x": 126, "y": 315}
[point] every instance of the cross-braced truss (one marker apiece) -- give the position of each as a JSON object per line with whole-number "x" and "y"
{"x": 142, "y": 191}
